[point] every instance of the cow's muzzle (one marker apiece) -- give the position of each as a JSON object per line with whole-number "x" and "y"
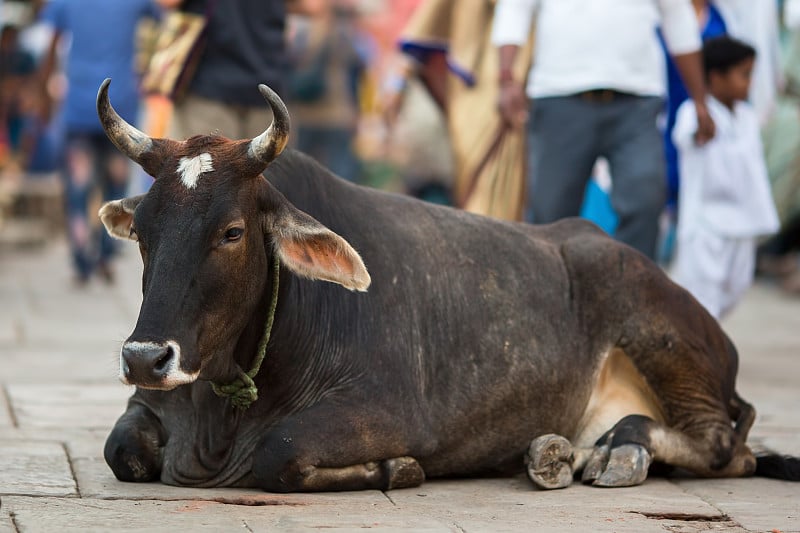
{"x": 153, "y": 365}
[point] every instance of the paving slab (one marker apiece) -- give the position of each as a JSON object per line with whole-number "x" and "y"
{"x": 68, "y": 405}
{"x": 757, "y": 504}
{"x": 776, "y": 407}
{"x": 35, "y": 468}
{"x": 6, "y": 524}
{"x": 10, "y": 326}
{"x": 81, "y": 514}
{"x": 48, "y": 514}
{"x": 92, "y": 361}
{"x": 514, "y": 505}
{"x": 6, "y": 419}
{"x": 45, "y": 331}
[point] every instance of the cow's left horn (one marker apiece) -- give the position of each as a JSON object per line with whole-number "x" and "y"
{"x": 128, "y": 139}
{"x": 271, "y": 143}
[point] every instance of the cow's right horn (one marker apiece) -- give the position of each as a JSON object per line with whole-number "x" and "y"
{"x": 271, "y": 143}
{"x": 128, "y": 139}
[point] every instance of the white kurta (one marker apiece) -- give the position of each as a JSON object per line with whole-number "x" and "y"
{"x": 725, "y": 203}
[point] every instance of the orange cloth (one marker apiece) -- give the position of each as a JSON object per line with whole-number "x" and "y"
{"x": 489, "y": 161}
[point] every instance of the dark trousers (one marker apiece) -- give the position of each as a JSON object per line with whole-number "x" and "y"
{"x": 93, "y": 170}
{"x": 331, "y": 146}
{"x": 567, "y": 134}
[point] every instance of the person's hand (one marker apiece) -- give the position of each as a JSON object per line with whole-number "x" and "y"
{"x": 513, "y": 104}
{"x": 705, "y": 126}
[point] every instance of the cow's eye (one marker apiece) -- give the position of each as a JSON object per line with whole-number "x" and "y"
{"x": 233, "y": 234}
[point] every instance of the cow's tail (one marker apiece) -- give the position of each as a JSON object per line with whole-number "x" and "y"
{"x": 778, "y": 466}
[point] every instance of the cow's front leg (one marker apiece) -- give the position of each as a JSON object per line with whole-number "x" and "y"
{"x": 133, "y": 449}
{"x": 323, "y": 451}
{"x": 552, "y": 460}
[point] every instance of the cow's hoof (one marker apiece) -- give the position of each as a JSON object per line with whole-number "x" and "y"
{"x": 403, "y": 472}
{"x": 549, "y": 462}
{"x": 625, "y": 466}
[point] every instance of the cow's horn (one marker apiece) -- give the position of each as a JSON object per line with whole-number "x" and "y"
{"x": 271, "y": 143}
{"x": 128, "y": 139}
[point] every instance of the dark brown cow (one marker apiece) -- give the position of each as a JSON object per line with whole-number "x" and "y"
{"x": 476, "y": 337}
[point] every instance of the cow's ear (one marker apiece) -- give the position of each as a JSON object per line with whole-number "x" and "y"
{"x": 117, "y": 217}
{"x": 311, "y": 250}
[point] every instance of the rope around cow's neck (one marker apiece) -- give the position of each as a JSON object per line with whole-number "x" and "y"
{"x": 242, "y": 391}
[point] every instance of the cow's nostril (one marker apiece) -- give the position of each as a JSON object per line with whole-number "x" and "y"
{"x": 164, "y": 360}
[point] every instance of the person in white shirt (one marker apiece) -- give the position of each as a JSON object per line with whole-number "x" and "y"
{"x": 725, "y": 202}
{"x": 596, "y": 88}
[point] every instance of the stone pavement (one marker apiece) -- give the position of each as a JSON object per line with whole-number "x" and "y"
{"x": 59, "y": 396}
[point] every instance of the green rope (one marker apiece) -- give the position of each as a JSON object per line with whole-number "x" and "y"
{"x": 242, "y": 391}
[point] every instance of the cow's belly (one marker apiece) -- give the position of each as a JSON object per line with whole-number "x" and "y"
{"x": 619, "y": 390}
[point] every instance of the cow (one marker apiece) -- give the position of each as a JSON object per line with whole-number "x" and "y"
{"x": 298, "y": 332}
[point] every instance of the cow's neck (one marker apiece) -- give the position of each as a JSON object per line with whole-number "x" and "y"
{"x": 242, "y": 390}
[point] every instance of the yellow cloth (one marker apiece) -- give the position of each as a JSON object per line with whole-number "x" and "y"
{"x": 489, "y": 161}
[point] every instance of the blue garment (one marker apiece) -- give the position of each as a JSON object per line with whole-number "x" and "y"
{"x": 103, "y": 36}
{"x": 676, "y": 95}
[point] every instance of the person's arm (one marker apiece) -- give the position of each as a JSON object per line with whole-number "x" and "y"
{"x": 510, "y": 30}
{"x": 53, "y": 16}
{"x": 433, "y": 73}
{"x": 682, "y": 35}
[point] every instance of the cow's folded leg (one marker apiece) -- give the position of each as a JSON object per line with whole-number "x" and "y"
{"x": 316, "y": 451}
{"x": 297, "y": 476}
{"x": 133, "y": 449}
{"x": 549, "y": 461}
{"x": 622, "y": 456}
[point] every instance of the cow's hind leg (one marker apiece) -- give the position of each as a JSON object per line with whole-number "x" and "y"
{"x": 319, "y": 450}
{"x": 623, "y": 455}
{"x": 133, "y": 449}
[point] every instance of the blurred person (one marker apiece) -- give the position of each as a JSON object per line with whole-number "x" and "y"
{"x": 712, "y": 24}
{"x": 450, "y": 42}
{"x": 100, "y": 39}
{"x": 16, "y": 68}
{"x": 752, "y": 21}
{"x": 328, "y": 56}
{"x": 596, "y": 87}
{"x": 244, "y": 47}
{"x": 779, "y": 257}
{"x": 725, "y": 199}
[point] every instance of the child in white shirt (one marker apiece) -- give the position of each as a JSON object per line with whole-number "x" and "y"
{"x": 725, "y": 202}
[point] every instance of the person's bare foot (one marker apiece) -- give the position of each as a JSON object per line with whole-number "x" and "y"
{"x": 791, "y": 283}
{"x": 106, "y": 273}
{"x": 778, "y": 265}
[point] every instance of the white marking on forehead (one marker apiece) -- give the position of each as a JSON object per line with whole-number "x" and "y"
{"x": 190, "y": 168}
